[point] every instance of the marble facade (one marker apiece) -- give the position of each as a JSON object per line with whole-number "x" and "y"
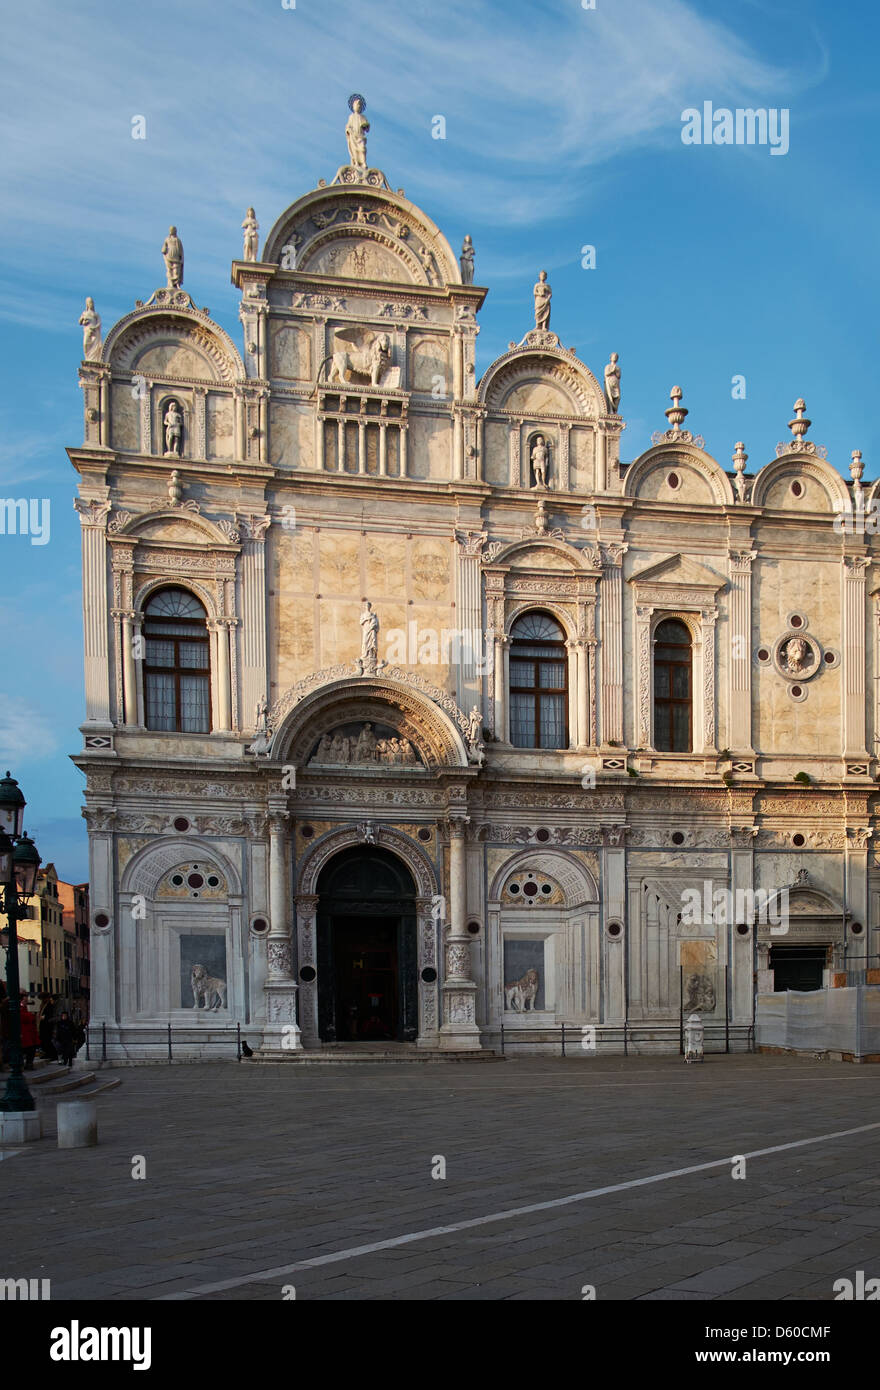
{"x": 348, "y": 450}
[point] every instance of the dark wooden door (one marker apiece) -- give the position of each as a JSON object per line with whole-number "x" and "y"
{"x": 367, "y": 949}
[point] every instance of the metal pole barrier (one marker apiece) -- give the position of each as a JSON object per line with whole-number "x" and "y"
{"x": 726, "y": 1012}
{"x": 502, "y": 1040}
{"x": 169, "y": 1044}
{"x": 681, "y": 1011}
{"x": 103, "y": 1042}
{"x": 563, "y": 1039}
{"x": 238, "y": 1039}
{"x": 625, "y": 1046}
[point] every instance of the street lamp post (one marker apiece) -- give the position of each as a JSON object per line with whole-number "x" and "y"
{"x": 19, "y": 862}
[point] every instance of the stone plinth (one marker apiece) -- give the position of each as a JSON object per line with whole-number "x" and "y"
{"x": 77, "y": 1124}
{"x": 20, "y": 1127}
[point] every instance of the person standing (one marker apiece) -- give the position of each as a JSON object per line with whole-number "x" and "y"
{"x": 45, "y": 1021}
{"x": 64, "y": 1040}
{"x": 29, "y": 1036}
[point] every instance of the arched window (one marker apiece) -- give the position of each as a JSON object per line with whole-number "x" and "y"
{"x": 177, "y": 666}
{"x": 673, "y": 697}
{"x": 538, "y": 683}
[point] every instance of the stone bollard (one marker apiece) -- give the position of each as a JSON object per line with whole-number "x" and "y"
{"x": 77, "y": 1124}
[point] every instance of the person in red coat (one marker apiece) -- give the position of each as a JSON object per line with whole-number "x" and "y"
{"x": 30, "y": 1038}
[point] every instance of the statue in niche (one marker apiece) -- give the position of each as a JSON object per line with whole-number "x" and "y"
{"x": 250, "y": 226}
{"x": 365, "y": 748}
{"x": 699, "y": 994}
{"x": 521, "y": 994}
{"x": 173, "y": 423}
{"x": 261, "y": 713}
{"x": 540, "y": 460}
{"x": 90, "y": 323}
{"x": 543, "y": 294}
{"x": 466, "y": 261}
{"x": 172, "y": 251}
{"x": 475, "y": 725}
{"x": 612, "y": 385}
{"x": 369, "y": 636}
{"x": 208, "y": 991}
{"x": 356, "y": 128}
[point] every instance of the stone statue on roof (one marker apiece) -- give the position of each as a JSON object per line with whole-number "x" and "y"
{"x": 356, "y": 128}
{"x": 543, "y": 294}
{"x": 172, "y": 251}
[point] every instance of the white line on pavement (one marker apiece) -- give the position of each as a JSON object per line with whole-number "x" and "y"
{"x": 282, "y": 1271}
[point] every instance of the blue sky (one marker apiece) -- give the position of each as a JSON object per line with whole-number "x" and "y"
{"x": 563, "y": 129}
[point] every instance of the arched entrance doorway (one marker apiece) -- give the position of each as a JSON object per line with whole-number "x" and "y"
{"x": 367, "y": 948}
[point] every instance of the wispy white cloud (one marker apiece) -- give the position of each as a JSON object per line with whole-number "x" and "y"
{"x": 24, "y": 732}
{"x": 247, "y": 104}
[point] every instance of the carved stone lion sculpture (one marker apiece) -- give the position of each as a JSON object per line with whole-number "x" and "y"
{"x": 207, "y": 989}
{"x": 372, "y": 359}
{"x": 521, "y": 994}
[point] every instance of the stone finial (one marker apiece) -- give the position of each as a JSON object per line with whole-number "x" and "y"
{"x": 677, "y": 412}
{"x": 175, "y": 490}
{"x": 856, "y": 468}
{"x": 740, "y": 459}
{"x": 800, "y": 424}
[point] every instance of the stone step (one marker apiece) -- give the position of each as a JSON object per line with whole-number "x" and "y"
{"x": 64, "y": 1082}
{"x": 341, "y": 1056}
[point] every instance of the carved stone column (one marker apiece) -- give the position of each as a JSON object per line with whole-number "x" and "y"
{"x": 129, "y": 670}
{"x": 741, "y": 650}
{"x": 573, "y": 693}
{"x": 222, "y": 721}
{"x": 611, "y": 620}
{"x": 583, "y": 719}
{"x": 281, "y": 1031}
{"x": 459, "y": 1031}
{"x": 429, "y": 1022}
{"x": 104, "y": 929}
{"x": 93, "y": 518}
{"x": 855, "y": 620}
{"x": 307, "y": 949}
{"x": 643, "y": 685}
{"x": 254, "y": 673}
{"x": 708, "y": 619}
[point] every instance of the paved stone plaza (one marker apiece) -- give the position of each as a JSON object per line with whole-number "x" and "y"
{"x": 251, "y": 1170}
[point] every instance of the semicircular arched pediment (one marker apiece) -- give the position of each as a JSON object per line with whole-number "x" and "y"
{"x": 174, "y": 345}
{"x": 301, "y": 719}
{"x": 549, "y": 382}
{"x": 569, "y": 875}
{"x": 362, "y": 233}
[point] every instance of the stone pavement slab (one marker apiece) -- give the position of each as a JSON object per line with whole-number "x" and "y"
{"x": 252, "y": 1170}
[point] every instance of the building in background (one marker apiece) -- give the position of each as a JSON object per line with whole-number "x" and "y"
{"x": 30, "y": 954}
{"x": 74, "y": 899}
